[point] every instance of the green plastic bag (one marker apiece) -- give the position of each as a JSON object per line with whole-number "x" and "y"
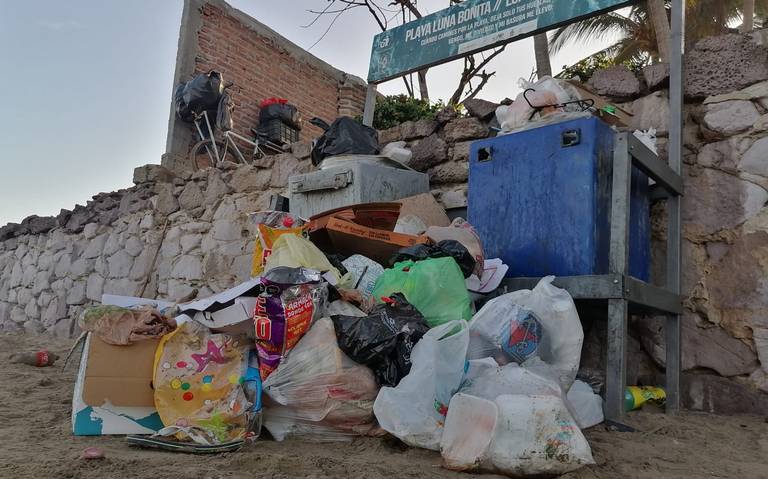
{"x": 433, "y": 286}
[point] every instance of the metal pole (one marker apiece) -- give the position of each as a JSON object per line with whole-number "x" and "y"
{"x": 675, "y": 151}
{"x": 370, "y": 104}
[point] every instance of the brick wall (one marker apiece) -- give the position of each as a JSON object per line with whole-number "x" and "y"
{"x": 262, "y": 64}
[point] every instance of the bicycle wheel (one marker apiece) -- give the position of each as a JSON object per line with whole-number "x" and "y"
{"x": 202, "y": 154}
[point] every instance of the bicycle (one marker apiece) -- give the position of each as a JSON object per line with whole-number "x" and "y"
{"x": 212, "y": 152}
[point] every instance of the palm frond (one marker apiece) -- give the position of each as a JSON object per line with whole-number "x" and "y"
{"x": 590, "y": 29}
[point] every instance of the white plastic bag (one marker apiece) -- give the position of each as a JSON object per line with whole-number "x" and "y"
{"x": 536, "y": 435}
{"x": 469, "y": 430}
{"x": 587, "y": 407}
{"x": 492, "y": 382}
{"x": 415, "y": 410}
{"x": 504, "y": 331}
{"x": 547, "y": 91}
{"x": 318, "y": 393}
{"x": 562, "y": 334}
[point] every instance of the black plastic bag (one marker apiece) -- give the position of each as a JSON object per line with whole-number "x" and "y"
{"x": 384, "y": 339}
{"x": 200, "y": 94}
{"x": 345, "y": 136}
{"x": 285, "y": 112}
{"x": 445, "y": 248}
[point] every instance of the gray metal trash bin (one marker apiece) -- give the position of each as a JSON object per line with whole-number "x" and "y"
{"x": 353, "y": 179}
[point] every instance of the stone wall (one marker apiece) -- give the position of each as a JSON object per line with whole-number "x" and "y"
{"x": 174, "y": 232}
{"x": 262, "y": 64}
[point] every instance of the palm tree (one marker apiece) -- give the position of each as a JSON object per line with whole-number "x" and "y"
{"x": 541, "y": 51}
{"x": 635, "y": 34}
{"x": 749, "y": 16}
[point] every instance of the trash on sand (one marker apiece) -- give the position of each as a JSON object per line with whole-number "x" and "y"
{"x": 414, "y": 411}
{"x": 122, "y": 326}
{"x": 39, "y": 359}
{"x": 636, "y": 396}
{"x": 434, "y": 286}
{"x": 92, "y": 453}
{"x": 318, "y": 393}
{"x": 384, "y": 340}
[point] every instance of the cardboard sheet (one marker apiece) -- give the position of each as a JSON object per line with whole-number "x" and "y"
{"x": 620, "y": 117}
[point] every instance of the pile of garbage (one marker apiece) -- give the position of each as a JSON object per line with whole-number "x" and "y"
{"x": 348, "y": 328}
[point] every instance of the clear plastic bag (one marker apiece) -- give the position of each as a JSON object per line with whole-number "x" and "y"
{"x": 318, "y": 393}
{"x": 415, "y": 410}
{"x": 587, "y": 407}
{"x": 546, "y": 91}
{"x": 504, "y": 331}
{"x": 562, "y": 334}
{"x": 536, "y": 435}
{"x": 492, "y": 382}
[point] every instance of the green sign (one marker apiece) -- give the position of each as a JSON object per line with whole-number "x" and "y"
{"x": 470, "y": 27}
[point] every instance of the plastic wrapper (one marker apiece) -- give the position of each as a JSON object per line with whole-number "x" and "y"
{"x": 415, "y": 410}
{"x": 463, "y": 232}
{"x": 265, "y": 240}
{"x": 200, "y": 94}
{"x": 504, "y": 331}
{"x": 123, "y": 326}
{"x": 363, "y": 273}
{"x": 384, "y": 340}
{"x": 587, "y": 407}
{"x": 297, "y": 252}
{"x": 292, "y": 299}
{"x": 562, "y": 334}
{"x": 198, "y": 379}
{"x": 435, "y": 287}
{"x": 318, "y": 393}
{"x": 445, "y": 248}
{"x": 345, "y": 136}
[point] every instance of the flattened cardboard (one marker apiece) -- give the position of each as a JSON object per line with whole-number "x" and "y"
{"x": 120, "y": 375}
{"x": 621, "y": 118}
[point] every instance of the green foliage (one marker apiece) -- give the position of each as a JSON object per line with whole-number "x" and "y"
{"x": 392, "y": 110}
{"x": 584, "y": 69}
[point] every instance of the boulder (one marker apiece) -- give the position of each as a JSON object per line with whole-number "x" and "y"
{"x": 410, "y": 130}
{"x": 450, "y": 172}
{"x": 216, "y": 189}
{"x": 702, "y": 348}
{"x": 35, "y": 224}
{"x": 656, "y": 76}
{"x": 286, "y": 165}
{"x": 615, "y": 82}
{"x": 651, "y": 111}
{"x": 755, "y": 159}
{"x": 191, "y": 197}
{"x": 465, "y": 129}
{"x": 166, "y": 202}
{"x": 723, "y": 64}
{"x": 301, "y": 149}
{"x": 718, "y": 395}
{"x": 152, "y": 174}
{"x": 481, "y": 109}
{"x": 389, "y": 135}
{"x": 730, "y": 117}
{"x": 428, "y": 152}
{"x": 248, "y": 178}
{"x": 459, "y": 151}
{"x": 447, "y": 114}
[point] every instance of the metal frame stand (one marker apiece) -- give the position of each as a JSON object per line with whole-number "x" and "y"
{"x": 623, "y": 293}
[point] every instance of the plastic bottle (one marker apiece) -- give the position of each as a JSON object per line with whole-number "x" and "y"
{"x": 40, "y": 358}
{"x": 636, "y": 396}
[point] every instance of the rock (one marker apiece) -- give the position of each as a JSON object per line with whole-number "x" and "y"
{"x": 730, "y": 117}
{"x": 120, "y": 264}
{"x": 216, "y": 189}
{"x": 454, "y": 198}
{"x": 447, "y": 114}
{"x": 708, "y": 348}
{"x": 451, "y": 172}
{"x": 61, "y": 269}
{"x": 188, "y": 268}
{"x": 651, "y": 111}
{"x": 41, "y": 282}
{"x": 134, "y": 246}
{"x": 464, "y": 129}
{"x": 428, "y": 152}
{"x": 715, "y": 200}
{"x": 190, "y": 242}
{"x": 719, "y": 155}
{"x": 226, "y": 230}
{"x": 301, "y": 149}
{"x": 656, "y": 76}
{"x": 717, "y": 395}
{"x": 65, "y": 328}
{"x": 178, "y": 289}
{"x": 34, "y": 328}
{"x": 389, "y": 135}
{"x": 81, "y": 267}
{"x": 410, "y": 130}
{"x": 76, "y": 294}
{"x": 459, "y": 151}
{"x": 35, "y": 224}
{"x": 94, "y": 287}
{"x": 122, "y": 287}
{"x": 32, "y": 311}
{"x": 191, "y": 197}
{"x": 755, "y": 159}
{"x": 94, "y": 248}
{"x": 758, "y": 92}
{"x": 615, "y": 82}
{"x": 17, "y": 315}
{"x": 480, "y": 109}
{"x": 286, "y": 165}
{"x": 166, "y": 202}
{"x": 152, "y": 174}
{"x": 265, "y": 162}
{"x": 723, "y": 64}
{"x": 249, "y": 178}
{"x": 90, "y": 230}
{"x": 147, "y": 221}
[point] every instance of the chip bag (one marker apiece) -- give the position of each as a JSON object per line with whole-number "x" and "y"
{"x": 198, "y": 383}
{"x": 291, "y": 299}
{"x": 265, "y": 240}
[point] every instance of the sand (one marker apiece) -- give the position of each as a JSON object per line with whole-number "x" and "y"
{"x": 36, "y": 442}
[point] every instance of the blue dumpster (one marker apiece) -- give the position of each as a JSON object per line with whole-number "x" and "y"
{"x": 540, "y": 200}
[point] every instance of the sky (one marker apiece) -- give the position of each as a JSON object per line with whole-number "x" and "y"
{"x": 86, "y": 91}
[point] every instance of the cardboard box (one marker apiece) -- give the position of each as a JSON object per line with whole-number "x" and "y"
{"x": 113, "y": 389}
{"x": 362, "y": 229}
{"x": 425, "y": 207}
{"x": 620, "y": 117}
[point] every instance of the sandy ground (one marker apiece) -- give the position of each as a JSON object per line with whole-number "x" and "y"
{"x": 36, "y": 442}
